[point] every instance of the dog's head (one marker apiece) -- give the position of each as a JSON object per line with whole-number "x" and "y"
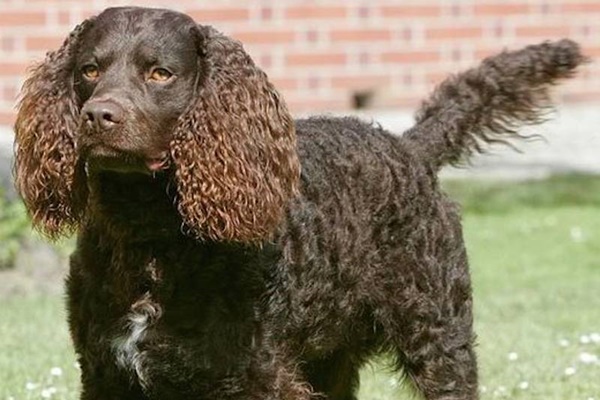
{"x": 137, "y": 90}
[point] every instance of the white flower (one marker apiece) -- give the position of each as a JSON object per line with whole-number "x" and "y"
{"x": 584, "y": 339}
{"x": 513, "y": 356}
{"x": 595, "y": 337}
{"x": 588, "y": 358}
{"x": 500, "y": 391}
{"x": 563, "y": 342}
{"x": 570, "y": 371}
{"x": 576, "y": 234}
{"x": 46, "y": 394}
{"x": 524, "y": 385}
{"x": 56, "y": 371}
{"x": 30, "y": 385}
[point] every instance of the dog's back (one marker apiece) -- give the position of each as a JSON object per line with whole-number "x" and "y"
{"x": 376, "y": 255}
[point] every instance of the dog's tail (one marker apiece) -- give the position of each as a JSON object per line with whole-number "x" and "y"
{"x": 488, "y": 103}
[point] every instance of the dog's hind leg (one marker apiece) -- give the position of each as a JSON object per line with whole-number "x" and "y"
{"x": 436, "y": 352}
{"x": 425, "y": 311}
{"x": 440, "y": 371}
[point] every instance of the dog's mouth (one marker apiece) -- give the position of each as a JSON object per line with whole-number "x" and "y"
{"x": 156, "y": 164}
{"x": 106, "y": 158}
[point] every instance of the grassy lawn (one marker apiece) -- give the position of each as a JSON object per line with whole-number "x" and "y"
{"x": 535, "y": 259}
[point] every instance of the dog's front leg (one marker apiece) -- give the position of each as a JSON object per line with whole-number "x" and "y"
{"x": 175, "y": 375}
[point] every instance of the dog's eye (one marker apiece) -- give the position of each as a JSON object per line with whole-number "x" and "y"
{"x": 90, "y": 71}
{"x": 160, "y": 75}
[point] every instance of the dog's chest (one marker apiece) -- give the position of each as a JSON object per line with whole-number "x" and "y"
{"x": 186, "y": 303}
{"x": 142, "y": 317}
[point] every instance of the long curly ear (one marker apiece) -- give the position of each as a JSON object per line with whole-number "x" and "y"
{"x": 234, "y": 150}
{"x": 45, "y": 157}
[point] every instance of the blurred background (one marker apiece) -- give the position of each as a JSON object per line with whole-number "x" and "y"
{"x": 532, "y": 218}
{"x": 377, "y": 57}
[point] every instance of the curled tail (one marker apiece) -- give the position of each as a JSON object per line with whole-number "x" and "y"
{"x": 488, "y": 103}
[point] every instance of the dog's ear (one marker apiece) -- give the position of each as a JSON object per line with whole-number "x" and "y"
{"x": 234, "y": 150}
{"x": 46, "y": 163}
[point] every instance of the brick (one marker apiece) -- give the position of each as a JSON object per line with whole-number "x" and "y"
{"x": 410, "y": 11}
{"x": 364, "y": 12}
{"x": 591, "y": 50}
{"x": 591, "y": 7}
{"x": 285, "y": 84}
{"x": 500, "y": 9}
{"x": 456, "y": 55}
{"x": 456, "y": 10}
{"x": 408, "y": 102}
{"x": 315, "y": 59}
{"x": 542, "y": 31}
{"x": 10, "y": 93}
{"x": 454, "y": 33}
{"x": 267, "y": 36}
{"x": 22, "y": 18}
{"x": 435, "y": 78}
{"x": 54, "y": 3}
{"x": 7, "y": 118}
{"x": 362, "y": 81}
{"x": 285, "y": 35}
{"x": 314, "y": 82}
{"x": 499, "y": 29}
{"x": 410, "y": 57}
{"x": 408, "y": 79}
{"x": 219, "y": 14}
{"x": 547, "y": 8}
{"x": 298, "y": 105}
{"x": 361, "y": 35}
{"x": 313, "y": 12}
{"x": 482, "y": 53}
{"x": 312, "y": 36}
{"x": 364, "y": 59}
{"x": 64, "y": 18}
{"x": 44, "y": 43}
{"x": 585, "y": 30}
{"x": 8, "y": 43}
{"x": 13, "y": 68}
{"x": 264, "y": 61}
{"x": 266, "y": 13}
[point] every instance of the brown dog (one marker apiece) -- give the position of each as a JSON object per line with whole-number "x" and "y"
{"x": 207, "y": 265}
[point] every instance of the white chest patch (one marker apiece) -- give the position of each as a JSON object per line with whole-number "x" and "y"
{"x": 144, "y": 313}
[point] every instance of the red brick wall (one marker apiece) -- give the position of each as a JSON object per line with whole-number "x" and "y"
{"x": 321, "y": 54}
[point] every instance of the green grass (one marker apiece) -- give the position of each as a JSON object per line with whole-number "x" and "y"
{"x": 33, "y": 340}
{"x": 498, "y": 197}
{"x": 14, "y": 228}
{"x": 535, "y": 262}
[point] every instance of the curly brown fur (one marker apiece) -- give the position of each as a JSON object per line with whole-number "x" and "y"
{"x": 487, "y": 104}
{"x": 45, "y": 157}
{"x": 206, "y": 266}
{"x": 248, "y": 145}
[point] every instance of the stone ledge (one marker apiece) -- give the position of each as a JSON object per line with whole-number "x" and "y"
{"x": 570, "y": 143}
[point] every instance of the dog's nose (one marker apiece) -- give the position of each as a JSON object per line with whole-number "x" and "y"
{"x": 102, "y": 115}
